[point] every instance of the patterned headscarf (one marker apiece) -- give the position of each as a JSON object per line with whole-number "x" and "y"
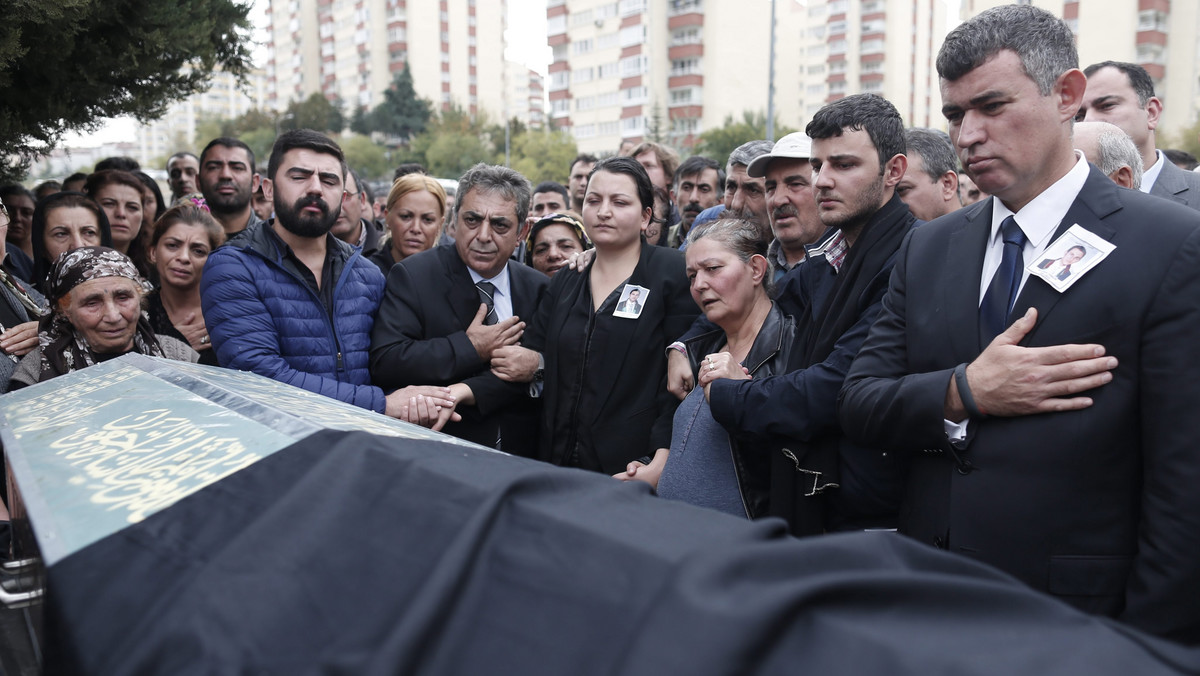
{"x": 63, "y": 348}
{"x": 568, "y": 218}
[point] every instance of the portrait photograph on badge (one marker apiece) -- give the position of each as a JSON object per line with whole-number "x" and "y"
{"x": 1070, "y": 257}
{"x": 633, "y": 299}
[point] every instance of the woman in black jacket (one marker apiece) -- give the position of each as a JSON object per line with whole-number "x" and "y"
{"x": 604, "y": 378}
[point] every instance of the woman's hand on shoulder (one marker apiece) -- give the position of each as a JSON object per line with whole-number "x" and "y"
{"x": 578, "y": 261}
{"x": 19, "y": 340}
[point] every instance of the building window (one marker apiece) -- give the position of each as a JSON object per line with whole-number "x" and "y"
{"x": 609, "y": 70}
{"x": 872, "y": 6}
{"x": 837, "y": 27}
{"x": 631, "y": 7}
{"x": 560, "y": 107}
{"x": 585, "y": 131}
{"x": 556, "y": 24}
{"x": 838, "y": 47}
{"x": 607, "y": 99}
{"x": 873, "y": 26}
{"x": 816, "y": 69}
{"x": 585, "y": 103}
{"x": 1152, "y": 20}
{"x": 684, "y": 6}
{"x": 560, "y": 80}
{"x": 683, "y": 96}
{"x": 685, "y": 125}
{"x": 558, "y": 52}
{"x": 837, "y": 66}
{"x": 837, "y": 87}
{"x": 582, "y": 46}
{"x": 580, "y": 18}
{"x": 634, "y": 95}
{"x": 874, "y": 46}
{"x": 634, "y": 65}
{"x": 872, "y": 87}
{"x": 688, "y": 35}
{"x": 688, "y": 66}
{"x": 609, "y": 128}
{"x": 607, "y": 11}
{"x": 633, "y": 35}
{"x": 633, "y": 126}
{"x": 581, "y": 75}
{"x": 608, "y": 40}
{"x": 871, "y": 66}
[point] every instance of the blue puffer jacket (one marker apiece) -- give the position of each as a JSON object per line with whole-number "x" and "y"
{"x": 265, "y": 319}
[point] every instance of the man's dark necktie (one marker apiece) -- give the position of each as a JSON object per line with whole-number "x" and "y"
{"x": 1002, "y": 291}
{"x": 487, "y": 293}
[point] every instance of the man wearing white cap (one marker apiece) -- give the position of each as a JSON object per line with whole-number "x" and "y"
{"x": 857, "y": 158}
{"x": 790, "y": 200}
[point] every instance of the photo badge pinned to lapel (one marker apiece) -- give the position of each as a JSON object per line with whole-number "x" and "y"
{"x": 633, "y": 299}
{"x": 1070, "y": 257}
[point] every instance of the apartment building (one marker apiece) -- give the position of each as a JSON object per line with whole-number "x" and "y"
{"x": 176, "y": 130}
{"x": 628, "y": 69}
{"x": 351, "y": 50}
{"x": 1159, "y": 35}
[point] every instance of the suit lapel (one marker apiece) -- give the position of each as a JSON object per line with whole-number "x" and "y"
{"x": 1097, "y": 200}
{"x": 964, "y": 265}
{"x": 462, "y": 296}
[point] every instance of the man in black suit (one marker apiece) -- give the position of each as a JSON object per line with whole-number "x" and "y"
{"x": 1123, "y": 94}
{"x": 1063, "y": 449}
{"x": 447, "y": 309}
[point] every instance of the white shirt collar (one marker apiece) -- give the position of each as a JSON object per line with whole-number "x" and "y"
{"x": 500, "y": 281}
{"x": 1040, "y": 218}
{"x": 1150, "y": 175}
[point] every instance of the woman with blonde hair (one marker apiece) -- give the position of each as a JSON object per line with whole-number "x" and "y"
{"x": 416, "y": 205}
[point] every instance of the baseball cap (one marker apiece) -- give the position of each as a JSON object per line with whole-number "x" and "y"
{"x": 794, "y": 146}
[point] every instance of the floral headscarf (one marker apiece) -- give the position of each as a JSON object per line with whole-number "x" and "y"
{"x": 63, "y": 348}
{"x": 568, "y": 218}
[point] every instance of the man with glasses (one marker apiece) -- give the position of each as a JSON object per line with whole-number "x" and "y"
{"x": 351, "y": 227}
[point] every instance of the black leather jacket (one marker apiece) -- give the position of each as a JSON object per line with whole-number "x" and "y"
{"x": 771, "y": 354}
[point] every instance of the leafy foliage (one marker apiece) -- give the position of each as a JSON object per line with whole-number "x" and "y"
{"x": 719, "y": 142}
{"x": 401, "y": 115}
{"x": 543, "y": 155}
{"x": 67, "y": 64}
{"x": 366, "y": 157}
{"x": 315, "y": 112}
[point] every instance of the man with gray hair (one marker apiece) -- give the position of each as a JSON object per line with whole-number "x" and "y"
{"x": 447, "y": 310}
{"x": 1112, "y": 151}
{"x": 745, "y": 196}
{"x": 1044, "y": 430}
{"x": 930, "y": 184}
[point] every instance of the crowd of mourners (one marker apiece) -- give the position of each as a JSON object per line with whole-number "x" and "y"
{"x": 981, "y": 339}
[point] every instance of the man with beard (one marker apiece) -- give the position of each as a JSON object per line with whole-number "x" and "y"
{"x": 834, "y": 295}
{"x": 227, "y": 180}
{"x": 699, "y": 185}
{"x": 287, "y": 300}
{"x": 577, "y": 176}
{"x": 352, "y": 225}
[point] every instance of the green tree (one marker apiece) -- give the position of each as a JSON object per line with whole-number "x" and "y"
{"x": 543, "y": 155}
{"x": 67, "y": 64}
{"x": 315, "y": 112}
{"x": 453, "y": 142}
{"x": 718, "y": 143}
{"x": 401, "y": 115}
{"x": 366, "y": 157}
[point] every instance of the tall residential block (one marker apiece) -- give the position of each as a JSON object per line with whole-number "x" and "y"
{"x": 630, "y": 69}
{"x": 350, "y": 50}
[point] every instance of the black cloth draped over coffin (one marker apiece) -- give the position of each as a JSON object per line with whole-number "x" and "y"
{"x": 353, "y": 554}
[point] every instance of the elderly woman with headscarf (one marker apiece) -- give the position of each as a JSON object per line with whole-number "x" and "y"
{"x": 96, "y": 294}
{"x": 553, "y": 239}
